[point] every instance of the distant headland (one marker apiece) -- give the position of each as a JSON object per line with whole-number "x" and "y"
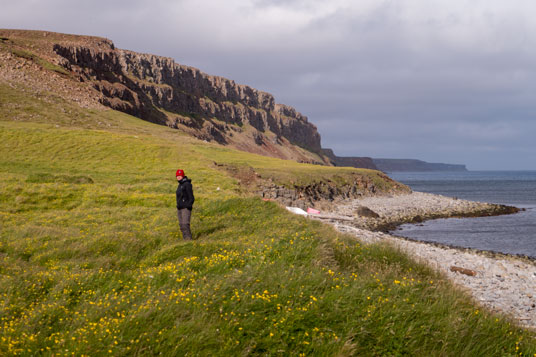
{"x": 412, "y": 165}
{"x": 391, "y": 165}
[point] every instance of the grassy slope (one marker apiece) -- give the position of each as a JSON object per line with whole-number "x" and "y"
{"x": 90, "y": 262}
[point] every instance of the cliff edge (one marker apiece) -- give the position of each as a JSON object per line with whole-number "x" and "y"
{"x": 159, "y": 90}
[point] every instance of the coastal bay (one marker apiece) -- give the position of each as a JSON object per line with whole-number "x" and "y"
{"x": 503, "y": 283}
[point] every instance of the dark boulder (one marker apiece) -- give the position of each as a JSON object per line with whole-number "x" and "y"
{"x": 363, "y": 211}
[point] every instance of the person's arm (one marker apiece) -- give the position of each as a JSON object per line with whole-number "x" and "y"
{"x": 190, "y": 192}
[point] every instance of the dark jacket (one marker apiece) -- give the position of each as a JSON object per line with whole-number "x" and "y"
{"x": 185, "y": 194}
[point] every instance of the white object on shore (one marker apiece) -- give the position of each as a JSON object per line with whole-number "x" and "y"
{"x": 297, "y": 210}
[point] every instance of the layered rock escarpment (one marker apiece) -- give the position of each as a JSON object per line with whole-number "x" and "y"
{"x": 91, "y": 72}
{"x": 209, "y": 107}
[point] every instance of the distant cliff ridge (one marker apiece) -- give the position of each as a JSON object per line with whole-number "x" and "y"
{"x": 410, "y": 165}
{"x": 349, "y": 161}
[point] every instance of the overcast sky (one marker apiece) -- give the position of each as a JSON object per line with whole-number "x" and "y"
{"x": 442, "y": 81}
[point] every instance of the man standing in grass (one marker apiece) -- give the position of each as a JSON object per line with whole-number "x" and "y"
{"x": 185, "y": 202}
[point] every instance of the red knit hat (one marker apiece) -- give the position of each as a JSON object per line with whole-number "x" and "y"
{"x": 180, "y": 173}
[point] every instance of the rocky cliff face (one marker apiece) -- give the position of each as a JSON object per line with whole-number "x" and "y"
{"x": 209, "y": 107}
{"x": 325, "y": 192}
{"x": 91, "y": 72}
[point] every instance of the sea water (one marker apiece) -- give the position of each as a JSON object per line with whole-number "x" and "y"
{"x": 511, "y": 234}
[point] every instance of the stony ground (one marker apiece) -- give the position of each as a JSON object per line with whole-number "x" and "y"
{"x": 22, "y": 73}
{"x": 391, "y": 211}
{"x": 503, "y": 283}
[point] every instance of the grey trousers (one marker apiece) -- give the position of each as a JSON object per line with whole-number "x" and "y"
{"x": 184, "y": 215}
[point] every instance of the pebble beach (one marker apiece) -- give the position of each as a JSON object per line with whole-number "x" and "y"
{"x": 502, "y": 283}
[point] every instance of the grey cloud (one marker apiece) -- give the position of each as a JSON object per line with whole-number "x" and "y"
{"x": 440, "y": 81}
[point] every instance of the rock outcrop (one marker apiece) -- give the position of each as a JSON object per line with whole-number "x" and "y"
{"x": 326, "y": 193}
{"x": 209, "y": 107}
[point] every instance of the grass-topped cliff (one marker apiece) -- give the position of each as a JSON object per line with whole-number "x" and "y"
{"x": 91, "y": 263}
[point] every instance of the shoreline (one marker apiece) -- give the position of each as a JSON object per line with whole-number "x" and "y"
{"x": 389, "y": 212}
{"x": 494, "y": 210}
{"x": 487, "y": 253}
{"x": 504, "y": 283}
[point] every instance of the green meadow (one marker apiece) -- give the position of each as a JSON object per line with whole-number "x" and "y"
{"x": 91, "y": 260}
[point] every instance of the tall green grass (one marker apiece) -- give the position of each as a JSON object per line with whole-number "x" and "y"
{"x": 91, "y": 262}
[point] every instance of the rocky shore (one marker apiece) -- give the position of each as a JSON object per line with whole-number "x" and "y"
{"x": 384, "y": 213}
{"x": 502, "y": 283}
